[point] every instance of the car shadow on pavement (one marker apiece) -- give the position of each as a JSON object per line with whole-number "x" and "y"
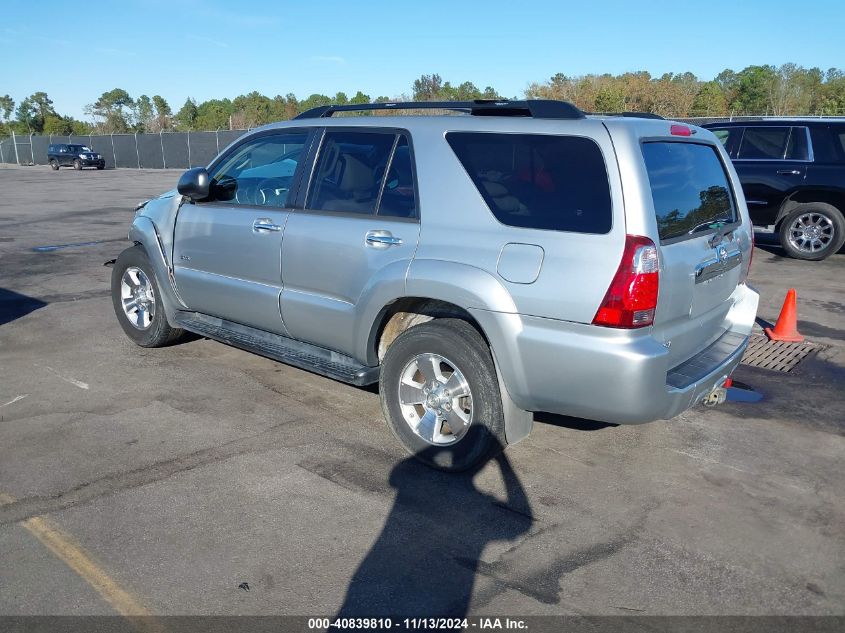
{"x": 578, "y": 424}
{"x": 14, "y": 305}
{"x": 424, "y": 562}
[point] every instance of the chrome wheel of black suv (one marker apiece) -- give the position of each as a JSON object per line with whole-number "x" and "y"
{"x": 812, "y": 231}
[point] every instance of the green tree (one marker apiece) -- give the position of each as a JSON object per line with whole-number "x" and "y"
{"x": 113, "y": 111}
{"x": 710, "y": 101}
{"x": 428, "y": 88}
{"x": 144, "y": 114}
{"x": 187, "y": 115}
{"x": 753, "y": 89}
{"x": 252, "y": 110}
{"x": 314, "y": 101}
{"x": 7, "y": 106}
{"x": 609, "y": 99}
{"x": 213, "y": 114}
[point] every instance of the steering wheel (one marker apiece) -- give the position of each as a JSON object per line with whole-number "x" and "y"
{"x": 272, "y": 191}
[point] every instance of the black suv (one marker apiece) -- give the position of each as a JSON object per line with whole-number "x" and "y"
{"x": 793, "y": 175}
{"x": 76, "y": 156}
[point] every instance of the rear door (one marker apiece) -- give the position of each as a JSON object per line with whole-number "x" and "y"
{"x": 227, "y": 250}
{"x": 702, "y": 250}
{"x": 771, "y": 162}
{"x": 360, "y": 218}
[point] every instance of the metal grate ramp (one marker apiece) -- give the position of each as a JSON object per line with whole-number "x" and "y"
{"x": 776, "y": 355}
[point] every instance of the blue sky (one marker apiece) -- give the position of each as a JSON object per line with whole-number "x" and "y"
{"x": 75, "y": 51}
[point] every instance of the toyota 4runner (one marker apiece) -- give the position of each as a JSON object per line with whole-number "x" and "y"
{"x": 523, "y": 257}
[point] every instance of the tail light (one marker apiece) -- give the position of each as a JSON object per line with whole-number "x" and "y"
{"x": 631, "y": 299}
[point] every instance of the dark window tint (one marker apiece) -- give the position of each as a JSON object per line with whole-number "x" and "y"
{"x": 538, "y": 181}
{"x": 764, "y": 143}
{"x": 796, "y": 148}
{"x": 259, "y": 172}
{"x": 398, "y": 199}
{"x": 350, "y": 170}
{"x": 689, "y": 187}
{"x": 839, "y": 135}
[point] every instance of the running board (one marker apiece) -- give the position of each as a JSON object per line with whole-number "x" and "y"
{"x": 281, "y": 348}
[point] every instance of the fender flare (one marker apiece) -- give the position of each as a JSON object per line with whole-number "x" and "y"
{"x": 144, "y": 232}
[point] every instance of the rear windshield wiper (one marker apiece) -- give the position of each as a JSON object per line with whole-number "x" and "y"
{"x": 716, "y": 224}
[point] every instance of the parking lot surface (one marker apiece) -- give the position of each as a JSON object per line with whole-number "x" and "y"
{"x": 159, "y": 481}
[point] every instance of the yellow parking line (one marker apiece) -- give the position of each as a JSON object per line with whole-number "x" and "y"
{"x": 72, "y": 554}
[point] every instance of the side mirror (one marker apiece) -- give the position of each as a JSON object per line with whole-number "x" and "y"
{"x": 194, "y": 184}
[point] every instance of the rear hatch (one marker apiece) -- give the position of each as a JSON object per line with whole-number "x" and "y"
{"x": 703, "y": 247}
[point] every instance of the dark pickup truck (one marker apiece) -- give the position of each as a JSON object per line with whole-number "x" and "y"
{"x": 793, "y": 176}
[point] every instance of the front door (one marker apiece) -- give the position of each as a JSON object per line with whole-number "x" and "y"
{"x": 227, "y": 250}
{"x": 360, "y": 220}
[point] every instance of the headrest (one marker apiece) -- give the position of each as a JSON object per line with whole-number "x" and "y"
{"x": 356, "y": 175}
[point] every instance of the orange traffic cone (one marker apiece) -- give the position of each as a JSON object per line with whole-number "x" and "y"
{"x": 786, "y": 329}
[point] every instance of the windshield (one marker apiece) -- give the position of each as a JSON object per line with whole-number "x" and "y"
{"x": 689, "y": 187}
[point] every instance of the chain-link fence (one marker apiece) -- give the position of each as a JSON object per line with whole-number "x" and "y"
{"x": 168, "y": 150}
{"x": 181, "y": 150}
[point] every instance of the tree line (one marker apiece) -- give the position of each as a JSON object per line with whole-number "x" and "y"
{"x": 755, "y": 90}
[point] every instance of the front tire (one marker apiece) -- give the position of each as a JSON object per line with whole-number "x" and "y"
{"x": 137, "y": 300}
{"x": 77, "y": 164}
{"x": 812, "y": 231}
{"x": 440, "y": 395}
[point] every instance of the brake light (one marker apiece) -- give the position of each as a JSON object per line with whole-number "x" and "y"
{"x": 680, "y": 130}
{"x": 631, "y": 299}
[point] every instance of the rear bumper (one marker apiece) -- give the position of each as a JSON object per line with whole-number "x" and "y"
{"x": 618, "y": 376}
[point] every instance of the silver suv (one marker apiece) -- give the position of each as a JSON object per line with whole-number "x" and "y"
{"x": 522, "y": 257}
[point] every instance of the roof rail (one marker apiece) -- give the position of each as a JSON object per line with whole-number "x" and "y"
{"x": 635, "y": 115}
{"x": 536, "y": 108}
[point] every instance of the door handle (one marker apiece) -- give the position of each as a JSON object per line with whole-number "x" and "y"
{"x": 789, "y": 172}
{"x": 265, "y": 225}
{"x": 382, "y": 239}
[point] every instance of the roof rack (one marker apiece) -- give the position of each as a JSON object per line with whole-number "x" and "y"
{"x": 536, "y": 108}
{"x": 635, "y": 115}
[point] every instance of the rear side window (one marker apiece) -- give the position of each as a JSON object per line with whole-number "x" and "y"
{"x": 538, "y": 181}
{"x": 350, "y": 171}
{"x": 689, "y": 187}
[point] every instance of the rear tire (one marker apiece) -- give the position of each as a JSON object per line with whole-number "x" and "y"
{"x": 812, "y": 231}
{"x": 451, "y": 356}
{"x": 77, "y": 164}
{"x": 137, "y": 301}
{"x": 54, "y": 164}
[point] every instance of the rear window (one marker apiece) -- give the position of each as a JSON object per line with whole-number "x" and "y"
{"x": 689, "y": 187}
{"x": 538, "y": 181}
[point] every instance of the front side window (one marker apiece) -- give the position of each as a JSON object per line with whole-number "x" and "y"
{"x": 764, "y": 143}
{"x": 350, "y": 170}
{"x": 538, "y": 181}
{"x": 259, "y": 172}
{"x": 689, "y": 187}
